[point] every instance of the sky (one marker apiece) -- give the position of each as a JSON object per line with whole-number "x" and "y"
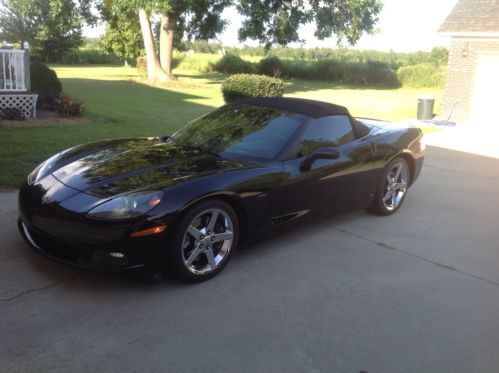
{"x": 404, "y": 25}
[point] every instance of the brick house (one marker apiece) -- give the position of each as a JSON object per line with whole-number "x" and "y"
{"x": 472, "y": 82}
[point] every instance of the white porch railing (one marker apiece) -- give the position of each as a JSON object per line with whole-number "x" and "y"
{"x": 12, "y": 73}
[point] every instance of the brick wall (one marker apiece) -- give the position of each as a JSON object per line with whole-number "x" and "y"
{"x": 461, "y": 71}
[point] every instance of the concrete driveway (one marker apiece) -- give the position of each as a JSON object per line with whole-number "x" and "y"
{"x": 414, "y": 292}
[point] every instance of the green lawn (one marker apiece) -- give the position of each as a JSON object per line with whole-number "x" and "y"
{"x": 118, "y": 105}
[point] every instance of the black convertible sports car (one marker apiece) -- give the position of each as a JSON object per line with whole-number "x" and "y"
{"x": 185, "y": 201}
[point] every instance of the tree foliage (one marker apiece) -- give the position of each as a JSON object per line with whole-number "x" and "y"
{"x": 51, "y": 27}
{"x": 269, "y": 21}
{"x": 191, "y": 19}
{"x": 123, "y": 36}
{"x": 196, "y": 19}
{"x": 278, "y": 21}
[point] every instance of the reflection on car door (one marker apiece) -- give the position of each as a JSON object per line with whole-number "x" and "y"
{"x": 330, "y": 184}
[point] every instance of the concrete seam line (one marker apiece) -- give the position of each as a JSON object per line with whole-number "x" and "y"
{"x": 386, "y": 246}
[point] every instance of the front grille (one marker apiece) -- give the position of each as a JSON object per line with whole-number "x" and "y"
{"x": 54, "y": 247}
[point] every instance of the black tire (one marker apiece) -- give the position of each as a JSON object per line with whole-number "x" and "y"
{"x": 178, "y": 252}
{"x": 380, "y": 206}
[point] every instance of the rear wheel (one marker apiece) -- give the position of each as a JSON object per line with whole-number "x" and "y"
{"x": 204, "y": 241}
{"x": 392, "y": 188}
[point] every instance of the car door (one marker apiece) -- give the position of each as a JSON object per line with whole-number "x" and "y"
{"x": 329, "y": 184}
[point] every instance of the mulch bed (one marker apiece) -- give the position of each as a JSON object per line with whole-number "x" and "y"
{"x": 43, "y": 118}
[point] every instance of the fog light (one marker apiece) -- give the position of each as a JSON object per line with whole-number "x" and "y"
{"x": 117, "y": 255}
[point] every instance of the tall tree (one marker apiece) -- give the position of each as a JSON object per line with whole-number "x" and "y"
{"x": 278, "y": 21}
{"x": 141, "y": 11}
{"x": 199, "y": 19}
{"x": 51, "y": 27}
{"x": 123, "y": 35}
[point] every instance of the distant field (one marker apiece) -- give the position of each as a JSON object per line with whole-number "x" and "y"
{"x": 118, "y": 104}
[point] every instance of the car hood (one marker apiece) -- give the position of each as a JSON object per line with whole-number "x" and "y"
{"x": 111, "y": 167}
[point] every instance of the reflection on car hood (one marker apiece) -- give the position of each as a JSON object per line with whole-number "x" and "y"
{"x": 111, "y": 167}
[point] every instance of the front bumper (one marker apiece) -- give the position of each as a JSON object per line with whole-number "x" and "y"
{"x": 108, "y": 258}
{"x": 68, "y": 236}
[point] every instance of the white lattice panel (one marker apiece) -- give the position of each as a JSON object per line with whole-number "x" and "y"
{"x": 26, "y": 103}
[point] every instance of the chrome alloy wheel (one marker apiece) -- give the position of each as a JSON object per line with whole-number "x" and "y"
{"x": 395, "y": 186}
{"x": 207, "y": 241}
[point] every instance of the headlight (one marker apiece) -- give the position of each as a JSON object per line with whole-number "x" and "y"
{"x": 128, "y": 206}
{"x": 43, "y": 169}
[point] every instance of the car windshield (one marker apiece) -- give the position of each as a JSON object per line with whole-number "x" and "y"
{"x": 243, "y": 130}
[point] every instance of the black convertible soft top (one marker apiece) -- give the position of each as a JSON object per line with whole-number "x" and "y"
{"x": 312, "y": 108}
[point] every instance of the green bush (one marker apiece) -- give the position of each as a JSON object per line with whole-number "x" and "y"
{"x": 89, "y": 57}
{"x": 232, "y": 64}
{"x": 241, "y": 86}
{"x": 438, "y": 55}
{"x": 44, "y": 80}
{"x": 369, "y": 73}
{"x": 270, "y": 66}
{"x": 422, "y": 75}
{"x": 327, "y": 69}
{"x": 300, "y": 69}
{"x": 378, "y": 73}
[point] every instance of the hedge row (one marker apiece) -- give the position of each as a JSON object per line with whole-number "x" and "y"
{"x": 241, "y": 86}
{"x": 437, "y": 56}
{"x": 89, "y": 57}
{"x": 422, "y": 75}
{"x": 369, "y": 73}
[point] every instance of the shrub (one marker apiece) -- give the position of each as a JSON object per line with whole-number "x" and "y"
{"x": 232, "y": 64}
{"x": 370, "y": 73}
{"x": 241, "y": 86}
{"x": 422, "y": 75}
{"x": 271, "y": 66}
{"x": 88, "y": 57}
{"x": 12, "y": 113}
{"x": 327, "y": 69}
{"x": 380, "y": 74}
{"x": 45, "y": 82}
{"x": 68, "y": 107}
{"x": 297, "y": 69}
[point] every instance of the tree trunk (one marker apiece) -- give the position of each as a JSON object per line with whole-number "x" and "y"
{"x": 154, "y": 71}
{"x": 166, "y": 33}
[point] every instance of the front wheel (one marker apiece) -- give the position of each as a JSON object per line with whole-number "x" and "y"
{"x": 204, "y": 241}
{"x": 392, "y": 188}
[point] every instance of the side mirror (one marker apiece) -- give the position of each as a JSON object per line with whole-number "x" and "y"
{"x": 319, "y": 153}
